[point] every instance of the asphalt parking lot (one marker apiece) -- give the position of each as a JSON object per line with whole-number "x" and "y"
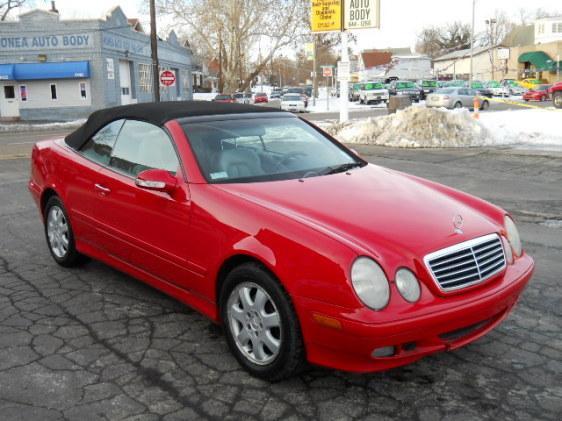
{"x": 94, "y": 344}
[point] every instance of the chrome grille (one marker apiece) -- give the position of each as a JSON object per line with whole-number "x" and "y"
{"x": 466, "y": 263}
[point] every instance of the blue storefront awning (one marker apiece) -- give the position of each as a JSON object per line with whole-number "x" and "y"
{"x": 42, "y": 71}
{"x": 62, "y": 70}
{"x": 6, "y": 72}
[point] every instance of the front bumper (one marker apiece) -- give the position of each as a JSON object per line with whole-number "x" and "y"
{"x": 350, "y": 347}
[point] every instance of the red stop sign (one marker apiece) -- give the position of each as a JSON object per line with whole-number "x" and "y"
{"x": 167, "y": 78}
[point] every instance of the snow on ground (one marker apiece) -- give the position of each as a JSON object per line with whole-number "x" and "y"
{"x": 203, "y": 96}
{"x": 22, "y": 127}
{"x": 419, "y": 127}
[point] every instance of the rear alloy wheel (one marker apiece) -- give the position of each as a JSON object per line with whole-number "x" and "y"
{"x": 557, "y": 99}
{"x": 59, "y": 234}
{"x": 261, "y": 326}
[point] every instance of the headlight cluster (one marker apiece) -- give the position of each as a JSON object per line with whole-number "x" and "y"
{"x": 513, "y": 236}
{"x": 372, "y": 286}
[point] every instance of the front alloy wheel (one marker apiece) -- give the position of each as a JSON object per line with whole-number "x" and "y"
{"x": 255, "y": 323}
{"x": 260, "y": 323}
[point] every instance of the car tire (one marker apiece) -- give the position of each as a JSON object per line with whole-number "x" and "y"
{"x": 485, "y": 105}
{"x": 557, "y": 99}
{"x": 59, "y": 234}
{"x": 242, "y": 322}
{"x": 457, "y": 105}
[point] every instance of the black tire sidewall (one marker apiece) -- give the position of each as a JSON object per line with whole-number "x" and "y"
{"x": 72, "y": 256}
{"x": 291, "y": 353}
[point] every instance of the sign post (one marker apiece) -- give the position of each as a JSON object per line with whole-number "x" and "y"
{"x": 327, "y": 72}
{"x": 344, "y": 15}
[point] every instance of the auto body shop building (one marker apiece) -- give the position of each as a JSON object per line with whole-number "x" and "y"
{"x": 58, "y": 70}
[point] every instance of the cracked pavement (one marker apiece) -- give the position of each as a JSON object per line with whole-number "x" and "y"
{"x": 94, "y": 344}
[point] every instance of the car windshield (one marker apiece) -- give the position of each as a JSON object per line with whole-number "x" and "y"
{"x": 429, "y": 84}
{"x": 264, "y": 149}
{"x": 292, "y": 97}
{"x": 373, "y": 86}
{"x": 477, "y": 85}
{"x": 446, "y": 91}
{"x": 239, "y": 95}
{"x": 295, "y": 91}
{"x": 494, "y": 84}
{"x": 222, "y": 97}
{"x": 405, "y": 85}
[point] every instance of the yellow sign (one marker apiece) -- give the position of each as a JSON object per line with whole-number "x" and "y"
{"x": 326, "y": 15}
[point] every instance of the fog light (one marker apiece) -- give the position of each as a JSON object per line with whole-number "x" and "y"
{"x": 385, "y": 351}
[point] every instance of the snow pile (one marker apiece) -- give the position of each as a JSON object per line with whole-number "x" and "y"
{"x": 416, "y": 127}
{"x": 541, "y": 128}
{"x": 24, "y": 127}
{"x": 419, "y": 127}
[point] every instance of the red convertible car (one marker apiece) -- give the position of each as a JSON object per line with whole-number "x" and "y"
{"x": 266, "y": 224}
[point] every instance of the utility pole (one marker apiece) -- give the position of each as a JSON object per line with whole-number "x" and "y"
{"x": 492, "y": 46}
{"x": 154, "y": 52}
{"x": 472, "y": 44}
{"x": 314, "y": 75}
{"x": 344, "y": 79}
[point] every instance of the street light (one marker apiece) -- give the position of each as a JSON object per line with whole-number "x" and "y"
{"x": 491, "y": 23}
{"x": 472, "y": 42}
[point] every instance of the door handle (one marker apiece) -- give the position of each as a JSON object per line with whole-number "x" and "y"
{"x": 102, "y": 189}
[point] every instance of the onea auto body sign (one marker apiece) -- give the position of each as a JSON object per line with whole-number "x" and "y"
{"x": 325, "y": 15}
{"x": 361, "y": 14}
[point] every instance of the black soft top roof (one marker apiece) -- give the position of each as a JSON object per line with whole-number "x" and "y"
{"x": 156, "y": 113}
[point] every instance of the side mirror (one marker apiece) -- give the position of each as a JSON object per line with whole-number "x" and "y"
{"x": 157, "y": 180}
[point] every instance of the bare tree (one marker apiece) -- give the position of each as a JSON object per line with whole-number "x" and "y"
{"x": 7, "y": 6}
{"x": 436, "y": 41}
{"x": 498, "y": 27}
{"x": 233, "y": 31}
{"x": 527, "y": 16}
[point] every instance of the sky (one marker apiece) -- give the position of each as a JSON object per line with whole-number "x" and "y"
{"x": 401, "y": 20}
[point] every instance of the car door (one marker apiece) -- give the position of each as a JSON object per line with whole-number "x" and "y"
{"x": 81, "y": 179}
{"x": 144, "y": 228}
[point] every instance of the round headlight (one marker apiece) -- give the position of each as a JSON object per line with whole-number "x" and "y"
{"x": 513, "y": 236}
{"x": 408, "y": 285}
{"x": 370, "y": 283}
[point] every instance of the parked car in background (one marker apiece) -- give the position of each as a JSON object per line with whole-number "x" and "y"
{"x": 427, "y": 87}
{"x": 455, "y": 84}
{"x": 260, "y": 98}
{"x": 225, "y": 98}
{"x": 481, "y": 89}
{"x": 556, "y": 94}
{"x": 373, "y": 93}
{"x": 538, "y": 93}
{"x": 531, "y": 83}
{"x": 293, "y": 102}
{"x": 496, "y": 88}
{"x": 455, "y": 98}
{"x": 404, "y": 88}
{"x": 243, "y": 97}
{"x": 300, "y": 91}
{"x": 355, "y": 92}
{"x": 275, "y": 95}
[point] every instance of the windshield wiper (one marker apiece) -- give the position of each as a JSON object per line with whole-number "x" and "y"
{"x": 342, "y": 168}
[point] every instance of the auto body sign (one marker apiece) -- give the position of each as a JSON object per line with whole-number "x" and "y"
{"x": 362, "y": 14}
{"x": 325, "y": 15}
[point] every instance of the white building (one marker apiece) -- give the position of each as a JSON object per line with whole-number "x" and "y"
{"x": 548, "y": 30}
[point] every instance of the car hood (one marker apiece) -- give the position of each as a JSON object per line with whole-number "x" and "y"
{"x": 371, "y": 208}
